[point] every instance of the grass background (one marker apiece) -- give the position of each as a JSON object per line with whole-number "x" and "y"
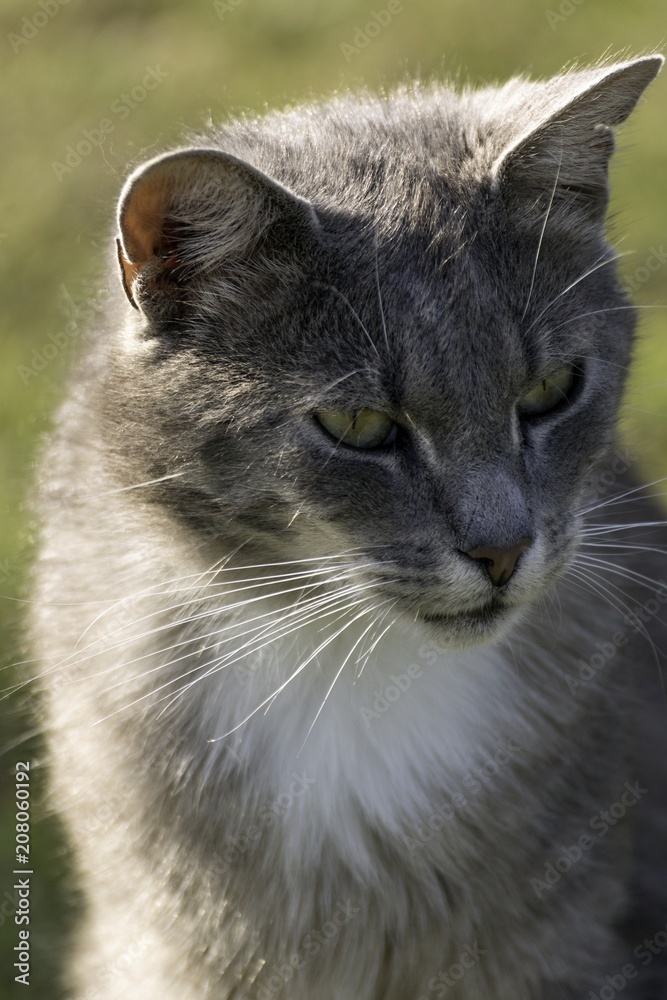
{"x": 65, "y": 66}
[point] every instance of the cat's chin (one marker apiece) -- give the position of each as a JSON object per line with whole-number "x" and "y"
{"x": 476, "y": 627}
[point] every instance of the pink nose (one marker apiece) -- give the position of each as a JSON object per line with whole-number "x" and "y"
{"x": 500, "y": 562}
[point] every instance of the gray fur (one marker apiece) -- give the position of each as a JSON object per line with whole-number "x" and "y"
{"x": 431, "y": 255}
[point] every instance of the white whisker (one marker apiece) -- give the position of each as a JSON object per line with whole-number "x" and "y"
{"x": 609, "y": 501}
{"x": 539, "y": 244}
{"x": 365, "y": 611}
{"x": 601, "y": 262}
{"x": 356, "y": 315}
{"x": 135, "y": 486}
{"x": 377, "y": 285}
{"x": 629, "y": 574}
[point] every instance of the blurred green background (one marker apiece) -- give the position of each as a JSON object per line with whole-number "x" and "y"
{"x": 69, "y": 66}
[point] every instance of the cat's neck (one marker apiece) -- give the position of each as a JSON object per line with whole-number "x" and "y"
{"x": 389, "y": 734}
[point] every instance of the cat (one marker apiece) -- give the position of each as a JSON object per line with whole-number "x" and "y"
{"x": 346, "y": 620}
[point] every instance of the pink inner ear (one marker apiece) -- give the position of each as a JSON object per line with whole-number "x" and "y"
{"x": 142, "y": 225}
{"x": 143, "y": 220}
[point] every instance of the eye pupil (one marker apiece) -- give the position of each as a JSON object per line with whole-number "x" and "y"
{"x": 548, "y": 394}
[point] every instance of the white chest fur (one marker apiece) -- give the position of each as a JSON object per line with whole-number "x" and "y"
{"x": 371, "y": 743}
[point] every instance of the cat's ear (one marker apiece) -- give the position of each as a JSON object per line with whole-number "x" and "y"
{"x": 567, "y": 141}
{"x": 195, "y": 211}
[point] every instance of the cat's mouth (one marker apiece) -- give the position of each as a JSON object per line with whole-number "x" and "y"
{"x": 473, "y": 626}
{"x": 487, "y": 614}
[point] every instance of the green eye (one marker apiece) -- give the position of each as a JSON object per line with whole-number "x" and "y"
{"x": 548, "y": 393}
{"x": 359, "y": 428}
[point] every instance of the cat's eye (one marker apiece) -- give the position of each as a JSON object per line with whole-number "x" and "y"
{"x": 548, "y": 394}
{"x": 361, "y": 428}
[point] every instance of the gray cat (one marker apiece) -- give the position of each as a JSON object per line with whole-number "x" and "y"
{"x": 347, "y": 620}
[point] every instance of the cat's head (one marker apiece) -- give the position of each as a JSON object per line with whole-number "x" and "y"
{"x": 386, "y": 327}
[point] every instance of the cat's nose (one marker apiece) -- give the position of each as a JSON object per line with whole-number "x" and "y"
{"x": 500, "y": 561}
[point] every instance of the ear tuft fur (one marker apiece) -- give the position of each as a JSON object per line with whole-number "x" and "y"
{"x": 569, "y": 141}
{"x": 188, "y": 212}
